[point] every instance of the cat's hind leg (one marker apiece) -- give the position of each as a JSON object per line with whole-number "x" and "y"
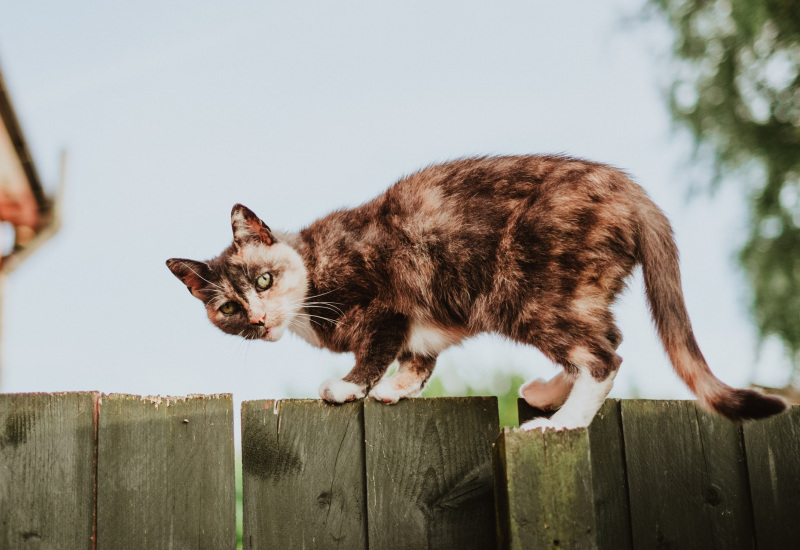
{"x": 547, "y": 395}
{"x": 408, "y": 381}
{"x": 593, "y": 376}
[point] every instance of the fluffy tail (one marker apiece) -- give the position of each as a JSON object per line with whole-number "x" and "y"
{"x": 662, "y": 280}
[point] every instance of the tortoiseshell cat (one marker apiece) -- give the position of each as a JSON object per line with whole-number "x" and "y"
{"x": 535, "y": 248}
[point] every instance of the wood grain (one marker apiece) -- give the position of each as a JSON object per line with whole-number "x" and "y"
{"x": 166, "y": 473}
{"x": 303, "y": 475}
{"x": 687, "y": 477}
{"x": 609, "y": 480}
{"x": 773, "y": 462}
{"x": 429, "y": 472}
{"x": 606, "y": 463}
{"x": 47, "y": 452}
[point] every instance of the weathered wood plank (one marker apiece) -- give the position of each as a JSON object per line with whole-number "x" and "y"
{"x": 609, "y": 482}
{"x": 547, "y": 489}
{"x": 47, "y": 452}
{"x": 687, "y": 477}
{"x": 773, "y": 463}
{"x": 563, "y": 488}
{"x": 166, "y": 472}
{"x": 303, "y": 475}
{"x": 429, "y": 473}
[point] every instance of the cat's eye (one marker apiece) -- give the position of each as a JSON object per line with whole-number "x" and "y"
{"x": 229, "y": 308}
{"x": 264, "y": 281}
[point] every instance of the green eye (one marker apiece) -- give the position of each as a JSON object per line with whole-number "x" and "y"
{"x": 264, "y": 281}
{"x": 229, "y": 308}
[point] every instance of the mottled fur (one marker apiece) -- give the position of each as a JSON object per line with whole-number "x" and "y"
{"x": 535, "y": 248}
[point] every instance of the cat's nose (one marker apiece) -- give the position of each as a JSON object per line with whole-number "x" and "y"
{"x": 258, "y": 320}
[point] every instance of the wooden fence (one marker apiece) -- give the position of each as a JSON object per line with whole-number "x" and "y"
{"x": 84, "y": 470}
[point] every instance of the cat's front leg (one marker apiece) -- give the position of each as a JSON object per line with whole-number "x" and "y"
{"x": 408, "y": 381}
{"x": 380, "y": 342}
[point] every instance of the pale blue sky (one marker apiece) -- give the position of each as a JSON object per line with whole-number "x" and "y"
{"x": 174, "y": 111}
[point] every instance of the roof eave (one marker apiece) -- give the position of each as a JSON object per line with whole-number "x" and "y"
{"x": 49, "y": 209}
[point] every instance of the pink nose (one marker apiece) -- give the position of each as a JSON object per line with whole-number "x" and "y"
{"x": 256, "y": 319}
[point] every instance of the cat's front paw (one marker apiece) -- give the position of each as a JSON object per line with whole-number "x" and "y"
{"x": 387, "y": 391}
{"x": 336, "y": 390}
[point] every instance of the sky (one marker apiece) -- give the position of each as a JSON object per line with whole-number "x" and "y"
{"x": 171, "y": 112}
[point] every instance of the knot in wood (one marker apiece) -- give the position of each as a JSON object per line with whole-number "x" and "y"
{"x": 712, "y": 495}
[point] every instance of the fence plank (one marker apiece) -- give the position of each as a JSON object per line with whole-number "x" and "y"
{"x": 429, "y": 473}
{"x": 687, "y": 477}
{"x": 166, "y": 472}
{"x": 548, "y": 489}
{"x": 47, "y": 452}
{"x": 303, "y": 474}
{"x": 525, "y": 412}
{"x": 563, "y": 488}
{"x": 610, "y": 483}
{"x": 773, "y": 448}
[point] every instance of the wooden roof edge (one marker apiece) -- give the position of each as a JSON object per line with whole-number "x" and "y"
{"x": 11, "y": 122}
{"x": 49, "y": 208}
{"x": 51, "y": 223}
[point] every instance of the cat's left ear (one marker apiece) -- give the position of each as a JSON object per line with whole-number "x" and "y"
{"x": 195, "y": 275}
{"x": 247, "y": 227}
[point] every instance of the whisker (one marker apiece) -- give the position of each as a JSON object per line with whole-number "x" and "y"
{"x": 328, "y": 305}
{"x": 314, "y": 320}
{"x": 333, "y": 311}
{"x": 293, "y": 323}
{"x": 323, "y": 294}
{"x": 311, "y": 317}
{"x": 305, "y": 300}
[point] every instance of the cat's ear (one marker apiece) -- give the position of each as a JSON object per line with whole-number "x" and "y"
{"x": 247, "y": 227}
{"x": 195, "y": 275}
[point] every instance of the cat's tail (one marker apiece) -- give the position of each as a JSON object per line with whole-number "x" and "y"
{"x": 658, "y": 255}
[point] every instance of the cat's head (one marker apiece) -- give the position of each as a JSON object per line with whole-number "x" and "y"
{"x": 255, "y": 288}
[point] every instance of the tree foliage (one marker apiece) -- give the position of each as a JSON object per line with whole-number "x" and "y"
{"x": 736, "y": 88}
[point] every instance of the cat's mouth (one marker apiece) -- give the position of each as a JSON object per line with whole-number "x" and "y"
{"x": 270, "y": 334}
{"x": 257, "y": 333}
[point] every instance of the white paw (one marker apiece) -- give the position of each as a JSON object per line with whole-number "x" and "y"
{"x": 540, "y": 424}
{"x": 556, "y": 422}
{"x": 339, "y": 391}
{"x": 387, "y": 392}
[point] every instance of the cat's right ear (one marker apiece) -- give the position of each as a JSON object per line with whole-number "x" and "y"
{"x": 195, "y": 275}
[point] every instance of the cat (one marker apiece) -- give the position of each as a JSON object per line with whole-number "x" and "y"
{"x": 535, "y": 248}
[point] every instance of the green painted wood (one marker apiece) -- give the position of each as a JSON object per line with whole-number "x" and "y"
{"x": 303, "y": 475}
{"x": 687, "y": 477}
{"x": 773, "y": 463}
{"x": 547, "y": 499}
{"x": 429, "y": 472}
{"x": 609, "y": 481}
{"x": 47, "y": 452}
{"x": 166, "y": 472}
{"x": 534, "y": 514}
